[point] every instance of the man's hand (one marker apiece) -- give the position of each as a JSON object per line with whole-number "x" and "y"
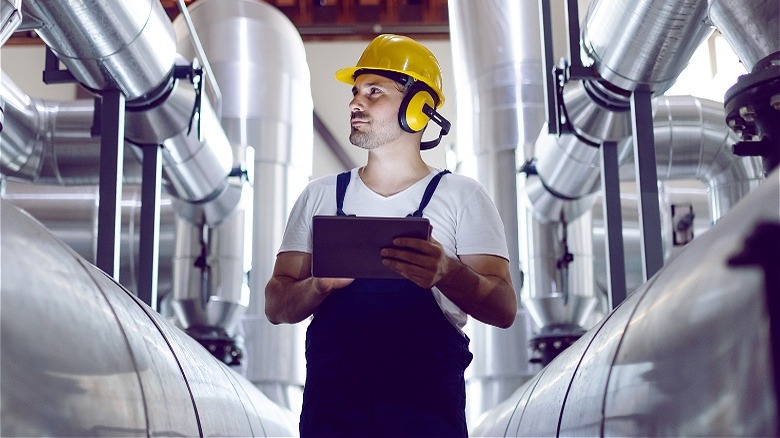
{"x": 325, "y": 285}
{"x": 479, "y": 284}
{"x": 421, "y": 261}
{"x": 292, "y": 294}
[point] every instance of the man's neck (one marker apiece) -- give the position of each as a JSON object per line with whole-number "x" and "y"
{"x": 391, "y": 170}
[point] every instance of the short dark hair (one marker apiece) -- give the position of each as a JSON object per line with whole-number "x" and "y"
{"x": 404, "y": 80}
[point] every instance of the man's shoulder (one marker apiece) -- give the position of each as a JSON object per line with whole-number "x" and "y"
{"x": 462, "y": 182}
{"x": 323, "y": 181}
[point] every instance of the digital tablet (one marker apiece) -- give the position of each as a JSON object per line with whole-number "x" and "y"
{"x": 348, "y": 246}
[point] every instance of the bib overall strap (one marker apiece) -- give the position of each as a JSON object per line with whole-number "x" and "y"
{"x": 342, "y": 181}
{"x": 428, "y": 193}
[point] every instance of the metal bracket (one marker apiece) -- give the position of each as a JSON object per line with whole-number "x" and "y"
{"x": 52, "y": 73}
{"x": 556, "y": 76}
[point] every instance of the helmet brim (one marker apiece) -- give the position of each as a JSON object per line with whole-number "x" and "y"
{"x": 347, "y": 75}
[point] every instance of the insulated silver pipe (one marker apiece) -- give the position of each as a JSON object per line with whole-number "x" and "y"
{"x": 497, "y": 62}
{"x": 51, "y": 143}
{"x": 643, "y": 43}
{"x": 259, "y": 62}
{"x": 10, "y": 19}
{"x": 693, "y": 142}
{"x": 83, "y": 357}
{"x": 109, "y": 44}
{"x": 196, "y": 154}
{"x": 752, "y": 28}
{"x": 130, "y": 46}
{"x": 210, "y": 267}
{"x": 71, "y": 214}
{"x": 559, "y": 294}
{"x": 689, "y": 353}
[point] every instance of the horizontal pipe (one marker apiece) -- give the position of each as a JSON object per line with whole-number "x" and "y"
{"x": 51, "y": 143}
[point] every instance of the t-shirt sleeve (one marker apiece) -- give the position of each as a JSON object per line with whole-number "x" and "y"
{"x": 297, "y": 233}
{"x": 480, "y": 229}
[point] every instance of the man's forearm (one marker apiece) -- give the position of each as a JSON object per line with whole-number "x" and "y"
{"x": 488, "y": 298}
{"x": 290, "y": 301}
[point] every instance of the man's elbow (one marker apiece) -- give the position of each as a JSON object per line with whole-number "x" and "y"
{"x": 272, "y": 311}
{"x": 272, "y": 316}
{"x": 506, "y": 318}
{"x": 508, "y": 313}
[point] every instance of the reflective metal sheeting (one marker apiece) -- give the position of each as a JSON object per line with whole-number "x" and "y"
{"x": 259, "y": 62}
{"x": 688, "y": 353}
{"x": 84, "y": 357}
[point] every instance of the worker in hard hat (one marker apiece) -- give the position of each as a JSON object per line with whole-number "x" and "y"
{"x": 387, "y": 356}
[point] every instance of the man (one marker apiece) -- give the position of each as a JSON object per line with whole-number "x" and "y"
{"x": 386, "y": 357}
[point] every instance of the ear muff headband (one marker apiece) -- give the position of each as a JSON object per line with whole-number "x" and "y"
{"x": 410, "y": 114}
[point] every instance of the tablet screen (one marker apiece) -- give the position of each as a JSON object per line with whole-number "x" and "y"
{"x": 348, "y": 246}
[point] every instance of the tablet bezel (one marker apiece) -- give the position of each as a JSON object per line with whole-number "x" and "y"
{"x": 349, "y": 246}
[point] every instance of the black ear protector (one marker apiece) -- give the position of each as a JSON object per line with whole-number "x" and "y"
{"x": 417, "y": 108}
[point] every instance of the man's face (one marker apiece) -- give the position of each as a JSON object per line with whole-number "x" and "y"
{"x": 374, "y": 111}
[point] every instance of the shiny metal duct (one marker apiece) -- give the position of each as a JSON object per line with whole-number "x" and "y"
{"x": 10, "y": 19}
{"x": 752, "y": 28}
{"x": 598, "y": 109}
{"x": 130, "y": 46}
{"x": 97, "y": 361}
{"x": 497, "y": 63}
{"x": 643, "y": 43}
{"x": 210, "y": 267}
{"x": 196, "y": 154}
{"x": 71, "y": 215}
{"x": 693, "y": 142}
{"x": 48, "y": 142}
{"x": 259, "y": 62}
{"x": 560, "y": 292}
{"x": 689, "y": 353}
{"x": 567, "y": 166}
{"x": 109, "y": 44}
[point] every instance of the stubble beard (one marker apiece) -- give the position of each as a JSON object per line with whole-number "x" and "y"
{"x": 378, "y": 135}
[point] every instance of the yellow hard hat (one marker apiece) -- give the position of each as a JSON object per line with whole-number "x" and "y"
{"x": 400, "y": 54}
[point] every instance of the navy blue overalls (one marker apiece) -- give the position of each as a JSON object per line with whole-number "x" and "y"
{"x": 383, "y": 360}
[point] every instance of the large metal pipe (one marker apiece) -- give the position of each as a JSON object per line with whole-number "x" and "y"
{"x": 109, "y": 44}
{"x": 752, "y": 28}
{"x": 498, "y": 75}
{"x": 49, "y": 142}
{"x": 259, "y": 62}
{"x": 598, "y": 109}
{"x": 670, "y": 30}
{"x": 10, "y": 19}
{"x": 71, "y": 214}
{"x": 130, "y": 46}
{"x": 689, "y": 353}
{"x": 97, "y": 361}
{"x": 692, "y": 142}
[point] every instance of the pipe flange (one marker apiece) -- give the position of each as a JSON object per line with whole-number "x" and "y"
{"x": 752, "y": 108}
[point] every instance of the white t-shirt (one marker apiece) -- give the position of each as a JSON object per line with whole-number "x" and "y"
{"x": 464, "y": 218}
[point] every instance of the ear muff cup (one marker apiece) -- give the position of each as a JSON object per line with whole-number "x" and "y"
{"x": 410, "y": 114}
